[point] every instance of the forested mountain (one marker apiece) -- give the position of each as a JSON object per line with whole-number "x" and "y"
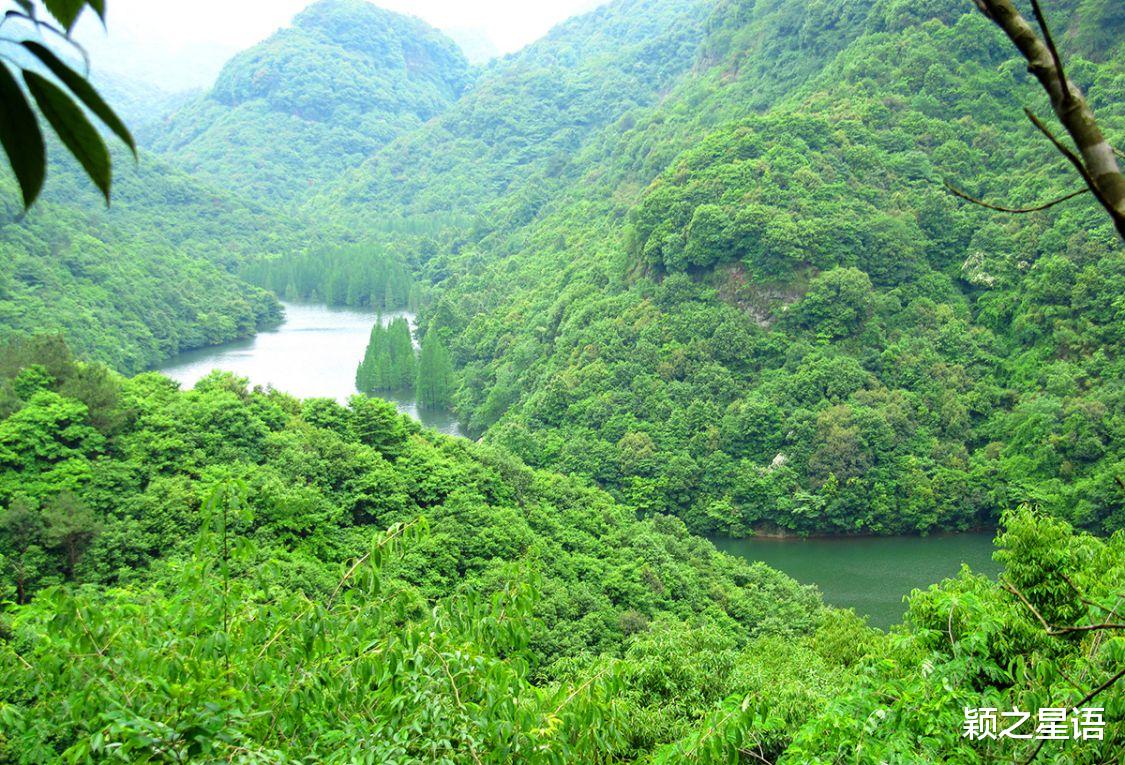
{"x": 153, "y": 274}
{"x": 266, "y": 579}
{"x": 134, "y": 283}
{"x": 313, "y": 100}
{"x": 579, "y": 573}
{"x": 515, "y": 132}
{"x": 740, "y": 293}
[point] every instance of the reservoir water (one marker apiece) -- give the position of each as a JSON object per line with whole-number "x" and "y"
{"x": 870, "y": 574}
{"x": 313, "y": 353}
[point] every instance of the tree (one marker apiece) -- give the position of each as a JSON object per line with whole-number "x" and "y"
{"x": 20, "y": 133}
{"x": 378, "y": 424}
{"x": 1097, "y": 164}
{"x": 70, "y": 527}
{"x": 373, "y": 357}
{"x": 388, "y": 363}
{"x": 21, "y": 542}
{"x": 434, "y": 387}
{"x": 401, "y": 347}
{"x": 837, "y": 303}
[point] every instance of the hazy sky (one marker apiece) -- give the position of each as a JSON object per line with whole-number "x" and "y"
{"x": 182, "y": 43}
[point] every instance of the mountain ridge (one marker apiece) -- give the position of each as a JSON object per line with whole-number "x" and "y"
{"x": 313, "y": 100}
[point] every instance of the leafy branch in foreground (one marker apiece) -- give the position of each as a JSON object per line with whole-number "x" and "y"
{"x": 62, "y": 107}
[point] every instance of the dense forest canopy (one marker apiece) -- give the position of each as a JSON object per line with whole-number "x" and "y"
{"x": 506, "y": 611}
{"x": 679, "y": 268}
{"x": 135, "y": 284}
{"x": 182, "y": 235}
{"x": 515, "y": 131}
{"x": 755, "y": 306}
{"x": 358, "y": 276}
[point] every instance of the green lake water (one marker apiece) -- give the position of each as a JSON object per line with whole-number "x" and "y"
{"x": 870, "y": 574}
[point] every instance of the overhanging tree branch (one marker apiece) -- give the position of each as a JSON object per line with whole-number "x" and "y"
{"x": 1073, "y": 158}
{"x": 1013, "y": 210}
{"x": 1053, "y": 630}
{"x": 1097, "y": 164}
{"x": 1050, "y": 41}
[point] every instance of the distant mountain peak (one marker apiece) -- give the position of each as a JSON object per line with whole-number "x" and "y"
{"x": 315, "y": 99}
{"x": 357, "y": 24}
{"x": 335, "y": 46}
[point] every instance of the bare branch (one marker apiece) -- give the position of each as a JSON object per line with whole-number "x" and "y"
{"x": 1071, "y": 157}
{"x": 1068, "y": 630}
{"x": 1089, "y": 696}
{"x": 1064, "y": 84}
{"x": 1098, "y": 162}
{"x": 1035, "y": 753}
{"x": 756, "y": 755}
{"x": 1084, "y": 599}
{"x": 1013, "y": 210}
{"x": 1057, "y": 631}
{"x": 581, "y": 688}
{"x": 983, "y": 6}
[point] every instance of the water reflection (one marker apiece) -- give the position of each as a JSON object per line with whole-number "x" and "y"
{"x": 313, "y": 353}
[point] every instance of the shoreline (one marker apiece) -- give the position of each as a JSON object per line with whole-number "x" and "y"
{"x": 783, "y": 535}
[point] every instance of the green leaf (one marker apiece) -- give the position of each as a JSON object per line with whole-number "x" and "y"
{"x": 84, "y": 90}
{"x": 67, "y": 11}
{"x": 21, "y": 137}
{"x": 72, "y": 127}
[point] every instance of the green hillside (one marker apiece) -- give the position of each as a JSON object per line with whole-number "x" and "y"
{"x": 514, "y": 133}
{"x": 135, "y": 283}
{"x": 154, "y": 273}
{"x": 314, "y": 100}
{"x": 755, "y": 306}
{"x": 251, "y": 577}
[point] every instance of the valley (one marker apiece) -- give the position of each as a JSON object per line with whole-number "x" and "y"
{"x": 673, "y": 389}
{"x": 312, "y": 355}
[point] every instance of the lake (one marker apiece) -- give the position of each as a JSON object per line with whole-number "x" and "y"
{"x": 870, "y": 574}
{"x": 313, "y": 353}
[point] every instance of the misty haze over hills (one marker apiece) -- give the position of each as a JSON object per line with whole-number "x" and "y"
{"x": 180, "y": 46}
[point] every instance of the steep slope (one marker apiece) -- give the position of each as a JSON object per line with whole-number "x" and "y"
{"x": 125, "y": 465}
{"x": 253, "y": 577}
{"x": 789, "y": 324}
{"x": 314, "y": 100}
{"x": 515, "y": 132}
{"x": 135, "y": 283}
{"x": 154, "y": 273}
{"x": 745, "y": 300}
